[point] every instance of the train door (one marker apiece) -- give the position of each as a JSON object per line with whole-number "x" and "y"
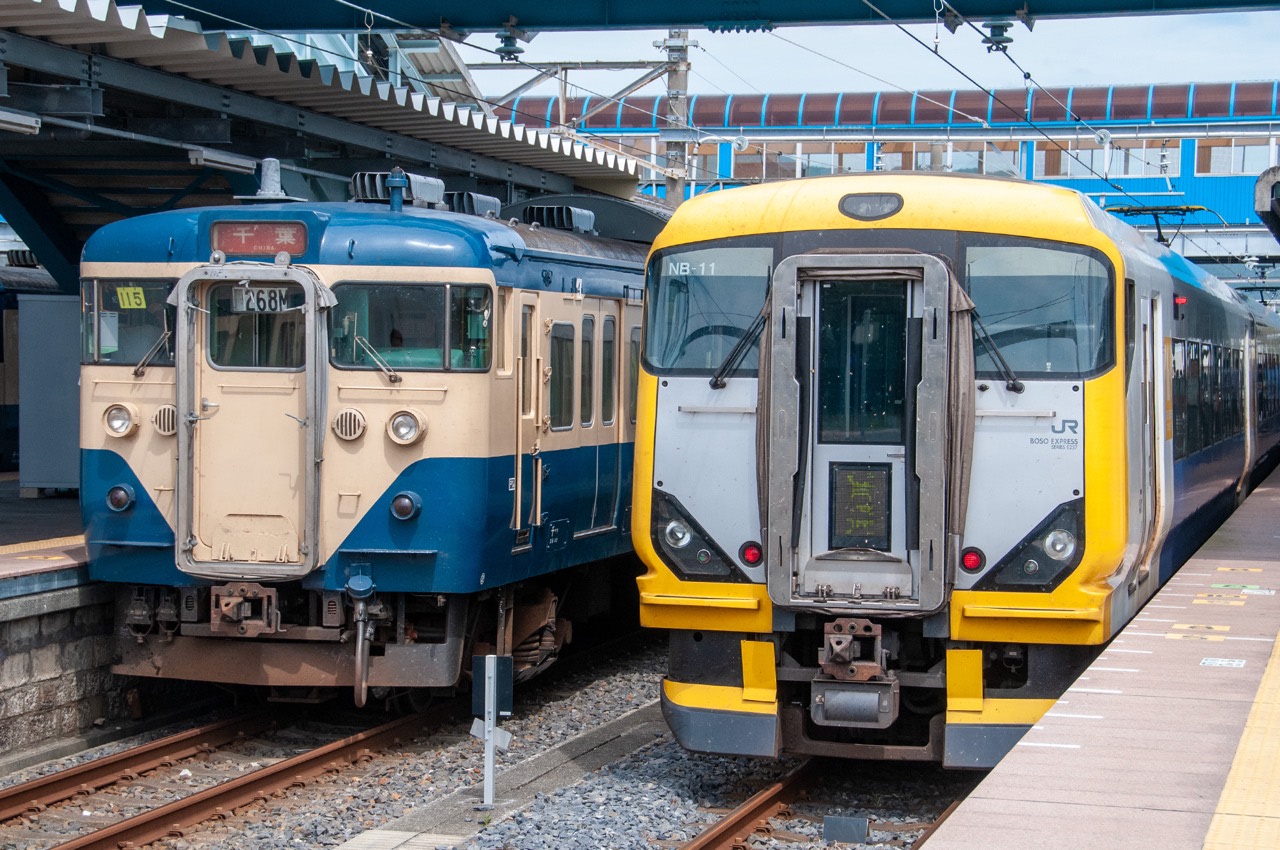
{"x": 608, "y": 430}
{"x": 252, "y": 358}
{"x": 1152, "y": 495}
{"x": 530, "y": 359}
{"x": 857, "y": 359}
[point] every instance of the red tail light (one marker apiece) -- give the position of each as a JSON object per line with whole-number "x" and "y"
{"x": 751, "y": 554}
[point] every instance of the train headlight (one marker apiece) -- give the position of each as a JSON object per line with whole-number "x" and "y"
{"x": 1059, "y": 544}
{"x": 120, "y": 420}
{"x": 406, "y": 427}
{"x": 406, "y": 505}
{"x": 678, "y": 534}
{"x": 120, "y": 498}
{"x": 684, "y": 546}
{"x": 1041, "y": 560}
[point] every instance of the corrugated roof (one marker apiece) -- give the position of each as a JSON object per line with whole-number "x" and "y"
{"x": 180, "y": 46}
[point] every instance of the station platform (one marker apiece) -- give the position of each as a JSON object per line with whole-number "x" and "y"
{"x": 41, "y": 542}
{"x": 1171, "y": 739}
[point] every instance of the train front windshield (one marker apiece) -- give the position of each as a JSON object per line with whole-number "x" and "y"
{"x": 700, "y": 304}
{"x": 123, "y": 320}
{"x": 411, "y": 326}
{"x": 1048, "y": 307}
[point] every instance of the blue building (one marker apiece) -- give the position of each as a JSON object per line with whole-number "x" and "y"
{"x": 1175, "y": 145}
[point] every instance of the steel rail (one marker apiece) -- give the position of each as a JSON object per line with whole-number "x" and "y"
{"x": 933, "y": 827}
{"x": 84, "y": 778}
{"x": 731, "y": 831}
{"x": 220, "y": 800}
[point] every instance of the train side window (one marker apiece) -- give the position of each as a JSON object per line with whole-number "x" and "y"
{"x": 502, "y": 332}
{"x": 1178, "y": 372}
{"x": 1221, "y": 392}
{"x": 470, "y": 326}
{"x": 586, "y": 389}
{"x": 1195, "y": 439}
{"x": 1130, "y": 326}
{"x": 1208, "y": 394}
{"x": 608, "y": 370}
{"x": 560, "y": 391}
{"x": 633, "y": 373}
{"x": 526, "y": 359}
{"x": 1235, "y": 385}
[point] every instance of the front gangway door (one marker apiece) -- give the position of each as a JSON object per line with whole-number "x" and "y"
{"x": 251, "y": 368}
{"x": 855, "y": 442}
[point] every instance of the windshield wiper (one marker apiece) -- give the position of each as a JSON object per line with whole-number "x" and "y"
{"x": 739, "y": 350}
{"x": 1011, "y": 382}
{"x": 378, "y": 359}
{"x": 141, "y": 368}
{"x": 731, "y": 362}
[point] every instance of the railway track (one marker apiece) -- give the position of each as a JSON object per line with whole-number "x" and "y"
{"x": 752, "y": 817}
{"x": 33, "y": 799}
{"x": 748, "y": 823}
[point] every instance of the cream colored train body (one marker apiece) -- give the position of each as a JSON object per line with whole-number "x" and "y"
{"x": 345, "y": 445}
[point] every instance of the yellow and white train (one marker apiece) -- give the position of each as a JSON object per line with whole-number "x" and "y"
{"x": 913, "y": 447}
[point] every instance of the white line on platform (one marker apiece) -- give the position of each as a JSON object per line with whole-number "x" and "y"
{"x": 1114, "y": 670}
{"x": 1133, "y": 651}
{"x": 1074, "y": 716}
{"x": 1174, "y": 607}
{"x": 1094, "y": 691}
{"x": 1152, "y": 620}
{"x": 1057, "y": 746}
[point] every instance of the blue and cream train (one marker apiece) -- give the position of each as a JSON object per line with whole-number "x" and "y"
{"x": 913, "y": 447}
{"x": 345, "y": 445}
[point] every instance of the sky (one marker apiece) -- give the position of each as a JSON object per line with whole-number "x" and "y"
{"x": 1212, "y": 47}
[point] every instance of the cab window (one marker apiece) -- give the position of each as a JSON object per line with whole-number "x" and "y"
{"x": 125, "y": 319}
{"x": 257, "y": 326}
{"x": 411, "y": 326}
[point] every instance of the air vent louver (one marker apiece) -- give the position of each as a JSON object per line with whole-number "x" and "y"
{"x": 349, "y": 424}
{"x": 166, "y": 420}
{"x": 561, "y": 218}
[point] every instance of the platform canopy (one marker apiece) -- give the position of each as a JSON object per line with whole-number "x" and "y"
{"x": 495, "y": 15}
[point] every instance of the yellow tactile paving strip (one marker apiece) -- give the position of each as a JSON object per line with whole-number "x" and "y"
{"x": 1248, "y": 813}
{"x": 34, "y": 545}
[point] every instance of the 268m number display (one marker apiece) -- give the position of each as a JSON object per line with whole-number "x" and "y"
{"x": 259, "y": 299}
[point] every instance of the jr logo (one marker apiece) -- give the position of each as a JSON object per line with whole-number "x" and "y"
{"x": 1064, "y": 426}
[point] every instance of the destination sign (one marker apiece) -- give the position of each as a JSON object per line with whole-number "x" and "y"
{"x": 259, "y": 238}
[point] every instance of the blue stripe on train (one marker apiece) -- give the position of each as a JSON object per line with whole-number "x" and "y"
{"x": 1205, "y": 495}
{"x": 460, "y": 542}
{"x": 129, "y": 546}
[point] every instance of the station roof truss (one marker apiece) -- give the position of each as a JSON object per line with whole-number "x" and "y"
{"x": 495, "y": 15}
{"x": 111, "y": 112}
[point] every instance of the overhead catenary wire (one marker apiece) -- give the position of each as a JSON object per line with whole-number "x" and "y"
{"x": 1029, "y": 79}
{"x": 1027, "y": 76}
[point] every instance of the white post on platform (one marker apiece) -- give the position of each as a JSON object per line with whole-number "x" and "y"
{"x": 490, "y": 724}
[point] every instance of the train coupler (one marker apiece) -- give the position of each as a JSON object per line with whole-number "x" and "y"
{"x": 851, "y": 650}
{"x": 244, "y": 608}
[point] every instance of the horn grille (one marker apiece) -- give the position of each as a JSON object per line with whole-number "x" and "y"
{"x": 349, "y": 424}
{"x": 166, "y": 420}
